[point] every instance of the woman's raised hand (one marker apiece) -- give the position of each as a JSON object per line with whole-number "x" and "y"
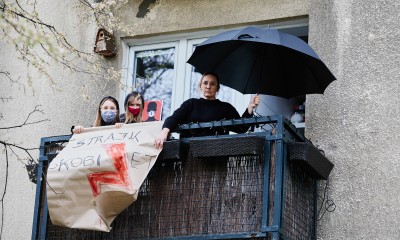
{"x": 254, "y": 102}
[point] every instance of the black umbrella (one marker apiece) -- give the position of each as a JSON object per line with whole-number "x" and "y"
{"x": 265, "y": 61}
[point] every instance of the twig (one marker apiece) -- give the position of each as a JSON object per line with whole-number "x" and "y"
{"x": 25, "y": 123}
{"x": 4, "y": 193}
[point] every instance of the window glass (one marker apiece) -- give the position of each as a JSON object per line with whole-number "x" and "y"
{"x": 154, "y": 72}
{"x": 224, "y": 93}
{"x": 157, "y": 67}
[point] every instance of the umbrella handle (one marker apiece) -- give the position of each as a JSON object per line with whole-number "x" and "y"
{"x": 255, "y": 108}
{"x": 253, "y": 104}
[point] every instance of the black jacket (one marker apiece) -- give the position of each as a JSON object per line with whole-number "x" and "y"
{"x": 202, "y": 110}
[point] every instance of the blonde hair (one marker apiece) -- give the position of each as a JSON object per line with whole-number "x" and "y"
{"x": 129, "y": 118}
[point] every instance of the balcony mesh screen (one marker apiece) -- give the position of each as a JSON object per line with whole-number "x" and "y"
{"x": 207, "y": 197}
{"x": 298, "y": 221}
{"x": 195, "y": 197}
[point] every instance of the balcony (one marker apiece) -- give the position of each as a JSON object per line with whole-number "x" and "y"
{"x": 236, "y": 186}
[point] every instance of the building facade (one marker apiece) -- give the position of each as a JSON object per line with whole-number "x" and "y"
{"x": 356, "y": 121}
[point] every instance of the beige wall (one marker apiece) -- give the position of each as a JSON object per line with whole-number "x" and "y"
{"x": 177, "y": 15}
{"x": 72, "y": 98}
{"x": 63, "y": 102}
{"x": 356, "y": 122}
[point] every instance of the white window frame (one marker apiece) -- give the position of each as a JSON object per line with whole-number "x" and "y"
{"x": 183, "y": 43}
{"x": 130, "y": 68}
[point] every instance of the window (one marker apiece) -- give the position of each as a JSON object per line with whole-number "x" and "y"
{"x": 156, "y": 71}
{"x": 156, "y": 66}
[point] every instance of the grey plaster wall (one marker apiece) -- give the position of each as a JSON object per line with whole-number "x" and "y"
{"x": 70, "y": 98}
{"x": 351, "y": 121}
{"x": 176, "y": 15}
{"x": 357, "y": 121}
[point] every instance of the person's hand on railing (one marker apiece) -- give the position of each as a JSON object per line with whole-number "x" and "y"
{"x": 162, "y": 137}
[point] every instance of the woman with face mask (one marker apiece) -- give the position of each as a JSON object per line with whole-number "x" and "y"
{"x": 107, "y": 114}
{"x": 133, "y": 105}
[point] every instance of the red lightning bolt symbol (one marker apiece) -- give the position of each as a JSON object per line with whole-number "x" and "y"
{"x": 120, "y": 177}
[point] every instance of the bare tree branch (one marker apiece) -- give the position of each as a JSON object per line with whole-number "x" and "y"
{"x": 12, "y": 147}
{"x": 12, "y": 81}
{"x": 26, "y": 122}
{"x": 5, "y": 99}
{"x": 37, "y": 43}
{"x": 26, "y": 150}
{"x": 4, "y": 193}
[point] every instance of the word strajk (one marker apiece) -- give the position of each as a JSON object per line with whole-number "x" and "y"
{"x": 133, "y": 136}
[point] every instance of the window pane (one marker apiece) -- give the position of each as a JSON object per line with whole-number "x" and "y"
{"x": 224, "y": 93}
{"x": 154, "y": 75}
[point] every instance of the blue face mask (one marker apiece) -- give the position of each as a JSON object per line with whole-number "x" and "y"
{"x": 108, "y": 116}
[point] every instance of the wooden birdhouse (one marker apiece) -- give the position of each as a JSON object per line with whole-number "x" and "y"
{"x": 105, "y": 44}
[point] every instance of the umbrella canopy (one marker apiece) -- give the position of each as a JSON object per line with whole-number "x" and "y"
{"x": 266, "y": 61}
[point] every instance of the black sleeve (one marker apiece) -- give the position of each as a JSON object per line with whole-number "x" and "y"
{"x": 246, "y": 114}
{"x": 72, "y": 129}
{"x": 233, "y": 114}
{"x": 242, "y": 128}
{"x": 179, "y": 116}
{"x": 122, "y": 117}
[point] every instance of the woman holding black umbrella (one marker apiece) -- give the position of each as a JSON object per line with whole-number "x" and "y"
{"x": 205, "y": 109}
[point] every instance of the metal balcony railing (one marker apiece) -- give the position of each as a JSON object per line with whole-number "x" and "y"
{"x": 236, "y": 186}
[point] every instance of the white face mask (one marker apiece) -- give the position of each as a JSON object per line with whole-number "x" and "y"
{"x": 108, "y": 116}
{"x": 151, "y": 113}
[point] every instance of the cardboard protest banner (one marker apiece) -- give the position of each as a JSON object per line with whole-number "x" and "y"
{"x": 98, "y": 174}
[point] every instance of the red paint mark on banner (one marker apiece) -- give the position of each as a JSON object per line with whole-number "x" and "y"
{"x": 120, "y": 177}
